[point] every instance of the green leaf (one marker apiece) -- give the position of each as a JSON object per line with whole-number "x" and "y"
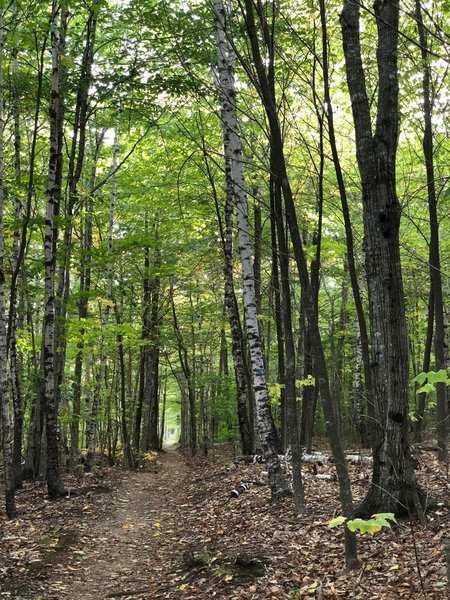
{"x": 427, "y": 388}
{"x": 365, "y": 526}
{"x": 440, "y": 377}
{"x": 420, "y": 378}
{"x": 385, "y": 516}
{"x": 336, "y": 522}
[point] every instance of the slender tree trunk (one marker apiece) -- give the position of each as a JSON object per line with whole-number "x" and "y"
{"x": 422, "y": 397}
{"x": 83, "y": 304}
{"x": 104, "y": 317}
{"x": 435, "y": 257}
{"x": 362, "y": 325}
{"x": 281, "y": 176}
{"x": 54, "y": 483}
{"x": 75, "y": 167}
{"x": 281, "y": 359}
{"x": 163, "y": 410}
{"x": 202, "y": 375}
{"x": 7, "y": 431}
{"x": 31, "y": 468}
{"x": 234, "y": 319}
{"x": 233, "y": 152}
{"x": 291, "y": 392}
{"x": 128, "y": 460}
{"x": 187, "y": 371}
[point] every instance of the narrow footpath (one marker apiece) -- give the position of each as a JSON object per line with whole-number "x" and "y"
{"x": 126, "y": 550}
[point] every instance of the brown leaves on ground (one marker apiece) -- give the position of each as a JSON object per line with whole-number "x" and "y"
{"x": 176, "y": 534}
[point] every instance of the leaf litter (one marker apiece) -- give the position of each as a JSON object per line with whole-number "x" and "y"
{"x": 176, "y": 533}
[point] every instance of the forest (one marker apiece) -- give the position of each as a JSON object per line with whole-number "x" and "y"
{"x": 224, "y": 286}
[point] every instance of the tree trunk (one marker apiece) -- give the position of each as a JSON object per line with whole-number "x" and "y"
{"x": 6, "y": 425}
{"x": 280, "y": 172}
{"x": 434, "y": 257}
{"x": 233, "y": 153}
{"x": 419, "y": 413}
{"x": 394, "y": 486}
{"x": 75, "y": 167}
{"x": 83, "y": 304}
{"x": 54, "y": 483}
{"x": 104, "y": 316}
{"x": 351, "y": 263}
{"x": 187, "y": 371}
{"x": 291, "y": 392}
{"x": 234, "y": 319}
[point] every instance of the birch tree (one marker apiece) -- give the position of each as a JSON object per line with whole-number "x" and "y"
{"x": 54, "y": 482}
{"x": 233, "y": 153}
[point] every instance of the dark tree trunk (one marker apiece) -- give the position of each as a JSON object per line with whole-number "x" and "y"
{"x": 75, "y": 167}
{"x": 281, "y": 175}
{"x": 240, "y": 367}
{"x": 187, "y": 371}
{"x": 6, "y": 425}
{"x": 291, "y": 392}
{"x": 83, "y": 303}
{"x": 419, "y": 413}
{"x": 434, "y": 257}
{"x": 281, "y": 360}
{"x": 351, "y": 263}
{"x": 394, "y": 486}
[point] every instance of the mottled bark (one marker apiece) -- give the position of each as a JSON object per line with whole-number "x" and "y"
{"x": 244, "y": 398}
{"x": 233, "y": 153}
{"x": 54, "y": 482}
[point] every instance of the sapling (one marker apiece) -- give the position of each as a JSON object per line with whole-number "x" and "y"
{"x": 372, "y": 525}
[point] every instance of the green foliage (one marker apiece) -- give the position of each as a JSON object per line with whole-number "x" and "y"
{"x": 372, "y": 526}
{"x": 428, "y": 380}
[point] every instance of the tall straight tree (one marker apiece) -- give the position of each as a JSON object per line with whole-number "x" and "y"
{"x": 4, "y": 395}
{"x": 394, "y": 487}
{"x": 233, "y": 153}
{"x": 54, "y": 482}
{"x": 261, "y": 79}
{"x": 234, "y": 319}
{"x": 435, "y": 256}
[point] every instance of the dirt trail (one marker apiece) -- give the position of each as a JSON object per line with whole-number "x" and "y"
{"x": 176, "y": 534}
{"x": 132, "y": 546}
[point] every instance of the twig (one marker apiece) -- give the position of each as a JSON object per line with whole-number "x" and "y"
{"x": 127, "y": 593}
{"x": 413, "y": 535}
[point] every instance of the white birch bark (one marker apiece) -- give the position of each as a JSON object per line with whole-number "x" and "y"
{"x": 224, "y": 80}
{"x": 55, "y": 487}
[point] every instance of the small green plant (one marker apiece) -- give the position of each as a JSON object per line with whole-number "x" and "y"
{"x": 428, "y": 380}
{"x": 372, "y": 526}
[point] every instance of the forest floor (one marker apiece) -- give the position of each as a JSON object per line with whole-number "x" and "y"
{"x": 173, "y": 532}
